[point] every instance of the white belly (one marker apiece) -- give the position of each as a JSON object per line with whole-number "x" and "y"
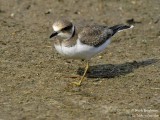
{"x": 80, "y": 50}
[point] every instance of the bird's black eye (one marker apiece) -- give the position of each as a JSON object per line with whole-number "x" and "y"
{"x": 67, "y": 28}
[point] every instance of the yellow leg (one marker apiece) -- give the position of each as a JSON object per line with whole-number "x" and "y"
{"x": 82, "y": 79}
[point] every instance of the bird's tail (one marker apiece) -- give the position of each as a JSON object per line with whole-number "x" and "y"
{"x": 118, "y": 28}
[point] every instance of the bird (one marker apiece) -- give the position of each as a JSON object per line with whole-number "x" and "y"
{"x": 82, "y": 41}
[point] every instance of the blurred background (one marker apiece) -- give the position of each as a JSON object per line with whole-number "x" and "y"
{"x": 34, "y": 78}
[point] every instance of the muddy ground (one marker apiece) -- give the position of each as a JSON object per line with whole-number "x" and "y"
{"x": 123, "y": 81}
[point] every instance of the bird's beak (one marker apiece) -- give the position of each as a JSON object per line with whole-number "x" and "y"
{"x": 53, "y": 34}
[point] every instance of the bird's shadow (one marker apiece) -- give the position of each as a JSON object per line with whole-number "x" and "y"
{"x": 114, "y": 70}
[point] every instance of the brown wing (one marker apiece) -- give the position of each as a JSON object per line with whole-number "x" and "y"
{"x": 95, "y": 35}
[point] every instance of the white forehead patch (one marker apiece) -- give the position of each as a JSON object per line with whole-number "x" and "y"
{"x": 55, "y": 28}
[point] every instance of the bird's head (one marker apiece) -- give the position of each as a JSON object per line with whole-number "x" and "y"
{"x": 63, "y": 28}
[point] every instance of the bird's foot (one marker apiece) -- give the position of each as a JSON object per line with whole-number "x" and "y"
{"x": 77, "y": 83}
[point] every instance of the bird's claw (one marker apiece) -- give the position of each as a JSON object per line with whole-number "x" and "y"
{"x": 77, "y": 83}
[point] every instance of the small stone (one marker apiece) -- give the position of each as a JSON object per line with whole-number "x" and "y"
{"x": 12, "y": 14}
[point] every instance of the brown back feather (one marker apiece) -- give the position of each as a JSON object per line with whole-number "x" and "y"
{"x": 95, "y": 35}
